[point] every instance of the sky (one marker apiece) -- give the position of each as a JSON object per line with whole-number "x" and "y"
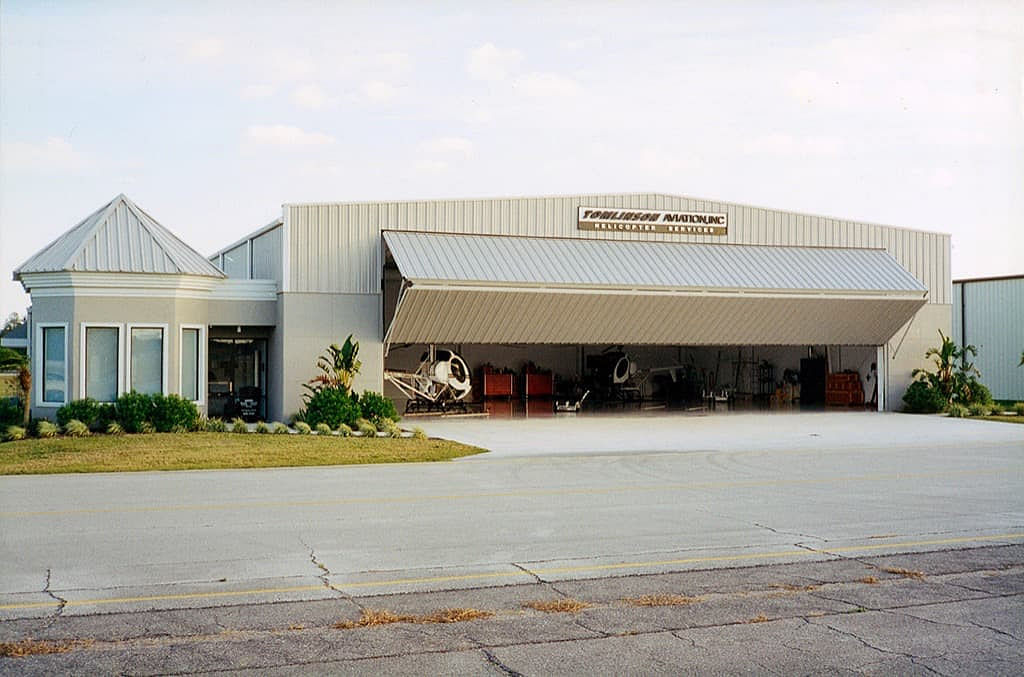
{"x": 211, "y": 115}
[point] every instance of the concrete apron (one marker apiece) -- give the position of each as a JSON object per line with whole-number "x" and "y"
{"x": 661, "y": 431}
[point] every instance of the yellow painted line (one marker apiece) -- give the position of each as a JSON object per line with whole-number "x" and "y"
{"x": 525, "y": 493}
{"x": 516, "y": 573}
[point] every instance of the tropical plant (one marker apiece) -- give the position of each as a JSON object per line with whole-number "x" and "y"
{"x": 954, "y": 376}
{"x": 956, "y": 410}
{"x": 45, "y": 428}
{"x": 344, "y": 430}
{"x": 279, "y": 428}
{"x": 367, "y": 429}
{"x": 979, "y": 409}
{"x": 302, "y": 428}
{"x": 262, "y": 428}
{"x": 239, "y": 426}
{"x": 114, "y": 428}
{"x": 922, "y": 398}
{"x": 338, "y": 366}
{"x": 1018, "y": 408}
{"x": 14, "y": 433}
{"x": 323, "y": 429}
{"x": 216, "y": 425}
{"x": 85, "y": 410}
{"x": 419, "y": 434}
{"x": 12, "y": 360}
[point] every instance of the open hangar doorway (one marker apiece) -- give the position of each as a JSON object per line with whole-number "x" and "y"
{"x": 539, "y": 380}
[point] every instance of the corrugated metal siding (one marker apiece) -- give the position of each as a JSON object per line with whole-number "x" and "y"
{"x": 266, "y": 255}
{"x": 120, "y": 238}
{"x": 336, "y": 247}
{"x": 551, "y": 261}
{"x": 994, "y": 323}
{"x": 454, "y": 315}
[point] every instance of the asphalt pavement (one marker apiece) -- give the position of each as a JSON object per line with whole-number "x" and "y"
{"x": 670, "y": 496}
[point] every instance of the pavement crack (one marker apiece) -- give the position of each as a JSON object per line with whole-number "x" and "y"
{"x": 61, "y": 602}
{"x": 496, "y": 662}
{"x": 789, "y": 533}
{"x": 538, "y": 579}
{"x": 324, "y": 577}
{"x": 911, "y": 657}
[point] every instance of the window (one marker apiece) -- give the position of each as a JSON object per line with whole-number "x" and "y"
{"x": 101, "y": 361}
{"x": 236, "y": 262}
{"x": 52, "y": 363}
{"x": 147, "y": 364}
{"x": 192, "y": 369}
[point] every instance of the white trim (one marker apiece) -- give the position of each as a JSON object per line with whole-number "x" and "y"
{"x": 120, "y": 354}
{"x": 244, "y": 290}
{"x": 128, "y": 353}
{"x": 38, "y": 367}
{"x": 133, "y": 285}
{"x": 201, "y": 358}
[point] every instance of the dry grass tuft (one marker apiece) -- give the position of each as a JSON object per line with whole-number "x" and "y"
{"x": 455, "y": 615}
{"x": 557, "y": 606}
{"x": 32, "y": 647}
{"x": 795, "y": 588}
{"x": 870, "y": 580}
{"x": 906, "y": 573}
{"x": 372, "y": 617}
{"x": 661, "y": 600}
{"x": 758, "y": 619}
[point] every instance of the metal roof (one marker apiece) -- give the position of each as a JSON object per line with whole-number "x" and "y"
{"x": 506, "y": 260}
{"x": 119, "y": 238}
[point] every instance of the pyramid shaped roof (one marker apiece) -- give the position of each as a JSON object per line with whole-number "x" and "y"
{"x": 119, "y": 237}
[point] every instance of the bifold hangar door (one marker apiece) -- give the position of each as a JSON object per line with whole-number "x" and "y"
{"x": 502, "y": 289}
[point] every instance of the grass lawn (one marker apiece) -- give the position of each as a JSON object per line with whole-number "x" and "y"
{"x": 201, "y": 451}
{"x": 1005, "y": 419}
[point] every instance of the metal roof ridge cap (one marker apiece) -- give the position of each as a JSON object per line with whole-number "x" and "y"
{"x": 487, "y": 285}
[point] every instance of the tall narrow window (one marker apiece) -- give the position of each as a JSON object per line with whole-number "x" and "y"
{"x": 190, "y": 364}
{"x": 55, "y": 379}
{"x": 147, "y": 360}
{"x": 101, "y": 363}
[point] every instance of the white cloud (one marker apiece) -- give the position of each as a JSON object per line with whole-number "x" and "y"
{"x": 431, "y": 166}
{"x": 55, "y": 154}
{"x": 492, "y": 63}
{"x": 448, "y": 145}
{"x": 257, "y": 91}
{"x": 786, "y": 144}
{"x": 205, "y": 49}
{"x": 309, "y": 96}
{"x": 380, "y": 92}
{"x": 547, "y": 85}
{"x": 286, "y": 137}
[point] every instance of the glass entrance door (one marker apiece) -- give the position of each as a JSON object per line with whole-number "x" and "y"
{"x": 237, "y": 378}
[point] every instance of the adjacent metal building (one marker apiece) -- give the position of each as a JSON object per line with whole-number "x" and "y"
{"x": 539, "y": 279}
{"x": 988, "y": 313}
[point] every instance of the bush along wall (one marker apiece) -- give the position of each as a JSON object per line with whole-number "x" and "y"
{"x": 134, "y": 413}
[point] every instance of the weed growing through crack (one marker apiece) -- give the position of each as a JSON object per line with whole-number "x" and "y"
{"x": 788, "y": 587}
{"x": 661, "y": 600}
{"x": 906, "y": 573}
{"x": 372, "y": 617}
{"x": 32, "y": 647}
{"x": 758, "y": 619}
{"x": 870, "y": 580}
{"x": 557, "y": 606}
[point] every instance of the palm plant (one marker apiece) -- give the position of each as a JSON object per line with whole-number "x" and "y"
{"x": 953, "y": 374}
{"x": 12, "y": 360}
{"x": 339, "y": 367}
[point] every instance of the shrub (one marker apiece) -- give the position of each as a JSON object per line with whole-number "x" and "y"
{"x": 302, "y": 428}
{"x": 262, "y": 428}
{"x": 10, "y": 411}
{"x": 1018, "y": 408}
{"x": 419, "y": 434}
{"x": 75, "y": 428}
{"x": 239, "y": 426}
{"x": 977, "y": 393}
{"x": 172, "y": 411}
{"x": 978, "y": 409}
{"x": 331, "y": 406}
{"x": 280, "y": 428}
{"x": 14, "y": 432}
{"x": 921, "y": 398}
{"x": 45, "y": 428}
{"x": 105, "y": 415}
{"x": 367, "y": 429}
{"x": 216, "y": 425}
{"x": 323, "y": 429}
{"x": 84, "y": 411}
{"x": 133, "y": 409}
{"x": 376, "y": 408}
{"x": 957, "y": 410}
{"x": 147, "y": 428}
{"x": 114, "y": 428}
{"x": 344, "y": 430}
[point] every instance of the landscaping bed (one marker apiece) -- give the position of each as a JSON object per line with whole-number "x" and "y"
{"x": 205, "y": 451}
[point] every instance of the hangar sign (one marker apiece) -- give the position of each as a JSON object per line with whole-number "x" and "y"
{"x": 652, "y": 221}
